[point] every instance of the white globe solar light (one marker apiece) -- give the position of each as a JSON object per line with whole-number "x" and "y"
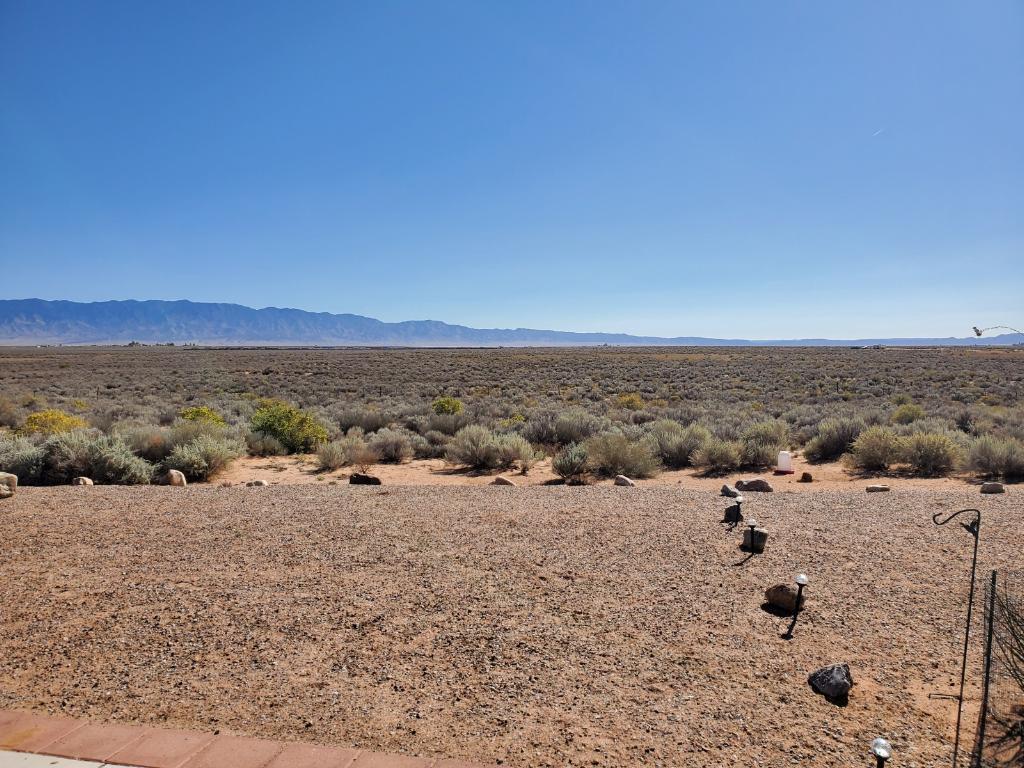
{"x": 752, "y": 523}
{"x": 801, "y": 579}
{"x": 882, "y": 750}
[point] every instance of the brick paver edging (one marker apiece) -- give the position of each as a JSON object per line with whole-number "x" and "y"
{"x": 147, "y": 747}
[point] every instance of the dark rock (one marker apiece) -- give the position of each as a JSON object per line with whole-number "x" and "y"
{"x": 805, "y": 478}
{"x": 992, "y": 488}
{"x": 728, "y": 490}
{"x": 783, "y": 597}
{"x": 877, "y": 489}
{"x": 757, "y": 484}
{"x": 502, "y": 481}
{"x": 833, "y": 682}
{"x": 358, "y": 478}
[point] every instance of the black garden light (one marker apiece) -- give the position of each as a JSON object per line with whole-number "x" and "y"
{"x": 801, "y": 582}
{"x": 882, "y": 750}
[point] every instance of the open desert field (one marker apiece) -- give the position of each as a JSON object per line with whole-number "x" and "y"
{"x": 541, "y": 626}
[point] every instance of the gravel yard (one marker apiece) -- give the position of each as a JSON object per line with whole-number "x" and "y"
{"x": 522, "y": 626}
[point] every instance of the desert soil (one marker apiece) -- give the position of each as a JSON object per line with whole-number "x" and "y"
{"x": 291, "y": 470}
{"x": 520, "y": 626}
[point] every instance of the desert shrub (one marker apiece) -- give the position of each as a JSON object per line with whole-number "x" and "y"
{"x": 875, "y": 449}
{"x": 717, "y": 456}
{"x": 392, "y": 446}
{"x": 183, "y": 432}
{"x": 571, "y": 463}
{"x": 993, "y": 457}
{"x": 576, "y": 425}
{"x": 333, "y": 455}
{"x": 151, "y": 443}
{"x": 540, "y": 427}
{"x": 437, "y": 440}
{"x": 930, "y": 453}
{"x": 762, "y": 442}
{"x": 51, "y": 422}
{"x": 629, "y": 401}
{"x": 674, "y": 443}
{"x": 8, "y": 413}
{"x": 202, "y": 413}
{"x": 367, "y": 419}
{"x": 21, "y": 457}
{"x": 446, "y": 405}
{"x": 473, "y": 446}
{"x": 204, "y": 457}
{"x": 515, "y": 449}
{"x": 612, "y": 453}
{"x": 104, "y": 459}
{"x": 297, "y": 430}
{"x": 262, "y": 444}
{"x": 907, "y": 413}
{"x": 422, "y": 448}
{"x": 834, "y": 438}
{"x": 448, "y": 423}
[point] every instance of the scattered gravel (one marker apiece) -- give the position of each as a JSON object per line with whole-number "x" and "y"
{"x": 536, "y": 627}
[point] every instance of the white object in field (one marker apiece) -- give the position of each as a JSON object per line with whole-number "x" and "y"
{"x": 785, "y": 463}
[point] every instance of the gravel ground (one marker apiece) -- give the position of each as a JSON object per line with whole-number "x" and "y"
{"x": 522, "y": 626}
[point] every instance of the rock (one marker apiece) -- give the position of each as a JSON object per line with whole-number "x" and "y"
{"x": 256, "y": 484}
{"x": 805, "y": 478}
{"x": 8, "y": 485}
{"x": 502, "y": 481}
{"x": 81, "y": 481}
{"x": 783, "y": 597}
{"x": 877, "y": 489}
{"x": 992, "y": 488}
{"x": 754, "y": 540}
{"x": 623, "y": 480}
{"x": 174, "y": 477}
{"x": 833, "y": 681}
{"x": 5, "y": 492}
{"x": 728, "y": 490}
{"x": 733, "y": 514}
{"x": 757, "y": 484}
{"x": 359, "y": 478}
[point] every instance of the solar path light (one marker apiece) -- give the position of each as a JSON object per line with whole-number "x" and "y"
{"x": 801, "y": 582}
{"x": 754, "y": 538}
{"x": 882, "y": 750}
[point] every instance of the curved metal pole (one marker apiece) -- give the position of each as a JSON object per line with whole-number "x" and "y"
{"x": 973, "y": 528}
{"x": 978, "y": 331}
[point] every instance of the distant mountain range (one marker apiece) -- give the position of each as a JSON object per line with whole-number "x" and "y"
{"x": 34, "y": 321}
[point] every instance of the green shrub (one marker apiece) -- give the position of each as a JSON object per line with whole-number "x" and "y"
{"x": 612, "y": 453}
{"x": 51, "y": 422}
{"x": 262, "y": 444}
{"x": 762, "y": 442}
{"x": 571, "y": 463}
{"x": 875, "y": 449}
{"x": 115, "y": 464}
{"x": 993, "y": 456}
{"x": 446, "y": 405}
{"x": 204, "y": 457}
{"x": 629, "y": 401}
{"x": 473, "y": 446}
{"x": 718, "y": 457}
{"x": 907, "y": 413}
{"x": 151, "y": 443}
{"x": 676, "y": 444}
{"x": 297, "y": 430}
{"x": 103, "y": 459}
{"x": 515, "y": 449}
{"x": 392, "y": 446}
{"x": 834, "y": 438}
{"x": 21, "y": 457}
{"x": 183, "y": 432}
{"x": 576, "y": 425}
{"x": 202, "y": 413}
{"x": 930, "y": 453}
{"x": 346, "y": 451}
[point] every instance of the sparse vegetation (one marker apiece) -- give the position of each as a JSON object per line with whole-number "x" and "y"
{"x": 571, "y": 463}
{"x": 875, "y": 449}
{"x": 612, "y": 453}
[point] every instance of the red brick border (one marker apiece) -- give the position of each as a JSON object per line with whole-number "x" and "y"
{"x": 148, "y": 747}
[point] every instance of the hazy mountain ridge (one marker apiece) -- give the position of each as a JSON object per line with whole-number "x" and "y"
{"x": 36, "y": 321}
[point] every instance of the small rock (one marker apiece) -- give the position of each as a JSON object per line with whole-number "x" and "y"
{"x": 175, "y": 477}
{"x": 754, "y": 540}
{"x": 623, "y": 480}
{"x": 805, "y": 478}
{"x": 8, "y": 484}
{"x": 877, "y": 489}
{"x": 833, "y": 681}
{"x": 992, "y": 488}
{"x": 82, "y": 481}
{"x": 502, "y": 481}
{"x": 256, "y": 484}
{"x": 757, "y": 484}
{"x": 783, "y": 596}
{"x": 728, "y": 490}
{"x": 359, "y": 478}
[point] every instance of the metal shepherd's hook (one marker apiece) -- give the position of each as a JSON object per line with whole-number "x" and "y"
{"x": 973, "y": 528}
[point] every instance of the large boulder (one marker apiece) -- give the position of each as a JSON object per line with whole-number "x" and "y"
{"x": 82, "y": 481}
{"x": 502, "y": 481}
{"x": 175, "y": 477}
{"x": 756, "y": 484}
{"x": 728, "y": 490}
{"x": 623, "y": 480}
{"x": 360, "y": 478}
{"x": 992, "y": 488}
{"x": 832, "y": 682}
{"x": 8, "y": 485}
{"x": 783, "y": 597}
{"x": 877, "y": 489}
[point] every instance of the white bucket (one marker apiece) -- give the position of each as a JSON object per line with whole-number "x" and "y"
{"x": 785, "y": 463}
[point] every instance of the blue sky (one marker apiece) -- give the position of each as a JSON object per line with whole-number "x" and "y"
{"x": 746, "y": 169}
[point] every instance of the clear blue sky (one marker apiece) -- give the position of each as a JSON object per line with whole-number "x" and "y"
{"x": 754, "y": 169}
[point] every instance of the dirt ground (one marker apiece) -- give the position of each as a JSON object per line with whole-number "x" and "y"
{"x": 519, "y": 626}
{"x": 291, "y": 470}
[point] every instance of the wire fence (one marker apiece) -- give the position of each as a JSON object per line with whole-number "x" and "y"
{"x": 999, "y": 740}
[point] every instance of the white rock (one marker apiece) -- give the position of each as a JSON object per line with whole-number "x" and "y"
{"x": 82, "y": 481}
{"x": 175, "y": 477}
{"x": 256, "y": 483}
{"x": 623, "y": 480}
{"x": 8, "y": 484}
